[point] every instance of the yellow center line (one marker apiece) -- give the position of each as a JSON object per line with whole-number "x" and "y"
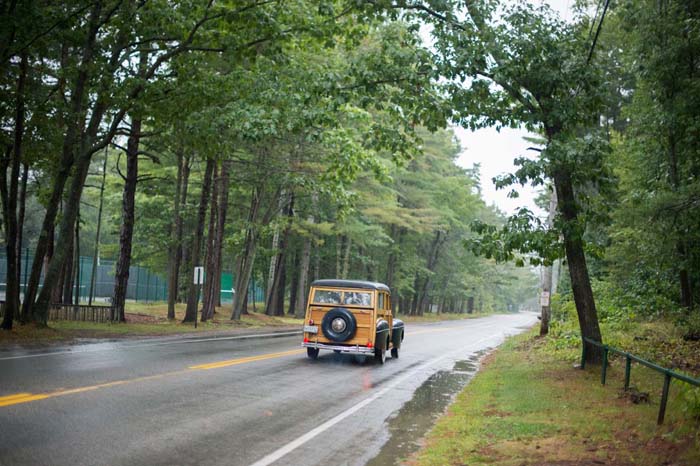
{"x": 19, "y": 398}
{"x": 233, "y": 362}
{"x": 418, "y": 332}
{"x": 12, "y": 397}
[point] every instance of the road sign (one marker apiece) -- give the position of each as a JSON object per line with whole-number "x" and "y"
{"x": 199, "y": 275}
{"x": 544, "y": 298}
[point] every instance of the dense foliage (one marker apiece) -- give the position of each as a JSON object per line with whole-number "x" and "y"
{"x": 285, "y": 141}
{"x": 280, "y": 141}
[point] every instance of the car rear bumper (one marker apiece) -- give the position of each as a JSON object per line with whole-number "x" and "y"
{"x": 342, "y": 348}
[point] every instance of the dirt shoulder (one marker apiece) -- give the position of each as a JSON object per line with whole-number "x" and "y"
{"x": 526, "y": 407}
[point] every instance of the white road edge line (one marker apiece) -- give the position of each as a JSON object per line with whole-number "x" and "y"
{"x": 299, "y": 441}
{"x": 161, "y": 343}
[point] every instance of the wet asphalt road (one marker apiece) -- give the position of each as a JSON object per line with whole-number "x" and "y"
{"x": 225, "y": 401}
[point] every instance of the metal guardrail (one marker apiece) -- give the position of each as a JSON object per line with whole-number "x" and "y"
{"x": 668, "y": 374}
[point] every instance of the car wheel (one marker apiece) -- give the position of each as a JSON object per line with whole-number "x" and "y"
{"x": 380, "y": 355}
{"x": 339, "y": 324}
{"x": 395, "y": 353}
{"x": 312, "y": 352}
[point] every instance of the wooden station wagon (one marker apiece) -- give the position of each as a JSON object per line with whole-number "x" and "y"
{"x": 351, "y": 316}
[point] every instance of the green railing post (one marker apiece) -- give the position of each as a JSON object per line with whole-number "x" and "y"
{"x": 583, "y": 353}
{"x": 664, "y": 398}
{"x": 628, "y": 369}
{"x": 604, "y": 369}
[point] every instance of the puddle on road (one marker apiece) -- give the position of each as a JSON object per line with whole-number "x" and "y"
{"x": 408, "y": 426}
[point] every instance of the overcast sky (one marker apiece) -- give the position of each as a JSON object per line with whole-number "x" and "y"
{"x": 495, "y": 151}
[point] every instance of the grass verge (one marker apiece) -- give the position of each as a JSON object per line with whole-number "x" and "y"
{"x": 529, "y": 406}
{"x": 141, "y": 320}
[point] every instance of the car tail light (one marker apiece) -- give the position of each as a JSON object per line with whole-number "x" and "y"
{"x": 369, "y": 344}
{"x": 311, "y": 321}
{"x": 306, "y": 340}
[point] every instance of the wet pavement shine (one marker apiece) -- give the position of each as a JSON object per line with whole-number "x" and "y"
{"x": 408, "y": 426}
{"x": 230, "y": 401}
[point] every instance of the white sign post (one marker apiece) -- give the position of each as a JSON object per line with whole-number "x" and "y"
{"x": 199, "y": 275}
{"x": 544, "y": 299}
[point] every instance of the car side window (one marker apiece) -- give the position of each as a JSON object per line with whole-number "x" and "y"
{"x": 380, "y": 303}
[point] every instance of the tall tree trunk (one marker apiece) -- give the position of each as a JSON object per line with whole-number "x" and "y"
{"x": 275, "y": 295}
{"x": 126, "y": 232}
{"x": 338, "y": 253}
{"x": 346, "y": 258}
{"x": 300, "y": 306}
{"x": 301, "y": 295}
{"x": 76, "y": 262}
{"x": 247, "y": 259}
{"x": 70, "y": 141}
{"x": 423, "y": 291}
{"x": 9, "y": 203}
{"x": 221, "y": 227}
{"x": 317, "y": 262}
{"x": 175, "y": 282}
{"x": 273, "y": 271}
{"x": 174, "y": 251}
{"x": 96, "y": 249}
{"x": 578, "y": 270}
{"x": 20, "y": 226}
{"x": 196, "y": 250}
{"x": 208, "y": 300}
{"x": 686, "y": 294}
{"x": 68, "y": 272}
{"x": 294, "y": 285}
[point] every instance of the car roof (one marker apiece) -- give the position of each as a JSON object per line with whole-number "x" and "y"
{"x": 365, "y": 285}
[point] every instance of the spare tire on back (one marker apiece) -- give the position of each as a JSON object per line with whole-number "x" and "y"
{"x": 339, "y": 324}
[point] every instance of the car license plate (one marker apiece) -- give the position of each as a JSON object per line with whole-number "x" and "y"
{"x": 311, "y": 328}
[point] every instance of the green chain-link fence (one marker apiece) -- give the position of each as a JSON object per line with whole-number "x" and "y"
{"x": 144, "y": 285}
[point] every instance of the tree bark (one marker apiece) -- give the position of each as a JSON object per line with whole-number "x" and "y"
{"x": 221, "y": 227}
{"x": 346, "y": 257}
{"x": 126, "y": 232}
{"x": 274, "y": 305}
{"x": 210, "y": 261}
{"x": 301, "y": 295}
{"x": 174, "y": 250}
{"x": 96, "y": 250}
{"x": 73, "y": 131}
{"x": 9, "y": 203}
{"x": 66, "y": 296}
{"x": 294, "y": 285}
{"x": 423, "y": 298}
{"x": 686, "y": 294}
{"x": 247, "y": 258}
{"x": 192, "y": 294}
{"x": 578, "y": 270}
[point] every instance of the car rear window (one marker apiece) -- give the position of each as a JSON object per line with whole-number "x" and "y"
{"x": 357, "y": 298}
{"x": 327, "y": 297}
